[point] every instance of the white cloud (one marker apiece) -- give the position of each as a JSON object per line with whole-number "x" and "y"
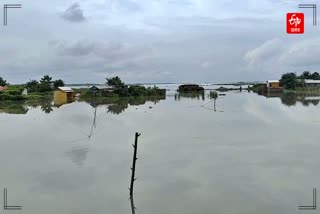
{"x": 153, "y": 40}
{"x": 264, "y": 55}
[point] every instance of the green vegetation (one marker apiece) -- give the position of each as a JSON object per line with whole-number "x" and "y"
{"x": 120, "y": 89}
{"x": 11, "y": 107}
{"x": 3, "y": 82}
{"x": 37, "y": 90}
{"x": 292, "y": 81}
{"x": 289, "y": 80}
{"x": 44, "y": 85}
{"x": 213, "y": 94}
{"x": 228, "y": 89}
{"x": 308, "y": 75}
{"x": 42, "y": 90}
{"x": 12, "y": 93}
{"x": 123, "y": 90}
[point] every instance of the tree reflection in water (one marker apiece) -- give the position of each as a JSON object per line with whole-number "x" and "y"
{"x": 292, "y": 99}
{"x": 14, "y": 107}
{"x": 119, "y": 105}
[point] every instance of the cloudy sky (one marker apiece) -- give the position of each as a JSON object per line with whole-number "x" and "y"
{"x": 85, "y": 41}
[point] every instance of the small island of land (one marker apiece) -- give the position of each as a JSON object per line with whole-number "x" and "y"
{"x": 290, "y": 82}
{"x": 45, "y": 88}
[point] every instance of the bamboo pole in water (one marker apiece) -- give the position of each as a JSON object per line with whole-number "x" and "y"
{"x": 133, "y": 208}
{"x": 133, "y": 169}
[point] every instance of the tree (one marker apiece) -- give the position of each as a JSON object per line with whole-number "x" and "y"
{"x": 32, "y": 85}
{"x": 305, "y": 75}
{"x": 315, "y": 76}
{"x": 45, "y": 83}
{"x": 46, "y": 79}
{"x": 58, "y": 83}
{"x": 3, "y": 82}
{"x": 289, "y": 80}
{"x": 115, "y": 81}
{"x": 120, "y": 88}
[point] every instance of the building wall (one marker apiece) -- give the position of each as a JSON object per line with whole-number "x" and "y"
{"x": 313, "y": 85}
{"x": 274, "y": 85}
{"x": 59, "y": 97}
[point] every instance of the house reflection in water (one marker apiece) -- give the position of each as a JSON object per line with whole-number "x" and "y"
{"x": 291, "y": 99}
{"x": 63, "y": 95}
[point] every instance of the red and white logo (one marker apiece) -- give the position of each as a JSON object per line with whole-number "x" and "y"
{"x": 295, "y": 23}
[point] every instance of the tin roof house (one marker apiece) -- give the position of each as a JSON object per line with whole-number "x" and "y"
{"x": 63, "y": 95}
{"x": 102, "y": 89}
{"x": 312, "y": 83}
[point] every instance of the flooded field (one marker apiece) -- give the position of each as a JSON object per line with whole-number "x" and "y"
{"x": 240, "y": 153}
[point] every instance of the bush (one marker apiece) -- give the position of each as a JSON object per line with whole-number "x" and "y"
{"x": 11, "y": 97}
{"x": 14, "y": 92}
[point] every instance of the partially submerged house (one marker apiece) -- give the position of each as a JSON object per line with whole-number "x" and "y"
{"x": 190, "y": 88}
{"x": 274, "y": 84}
{"x": 102, "y": 89}
{"x": 311, "y": 83}
{"x": 63, "y": 95}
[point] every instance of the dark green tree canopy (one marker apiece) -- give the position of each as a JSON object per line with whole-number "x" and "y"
{"x": 3, "y": 82}
{"x": 58, "y": 83}
{"x": 315, "y": 76}
{"x": 305, "y": 75}
{"x": 308, "y": 75}
{"x": 44, "y": 85}
{"x": 289, "y": 80}
{"x": 115, "y": 81}
{"x": 46, "y": 79}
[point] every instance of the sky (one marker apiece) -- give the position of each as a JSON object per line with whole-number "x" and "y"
{"x": 152, "y": 41}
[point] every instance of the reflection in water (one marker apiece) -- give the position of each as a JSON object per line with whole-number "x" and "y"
{"x": 78, "y": 155}
{"x": 133, "y": 208}
{"x": 291, "y": 99}
{"x": 94, "y": 122}
{"x": 45, "y": 105}
{"x": 13, "y": 107}
{"x": 114, "y": 106}
{"x": 210, "y": 105}
{"x": 61, "y": 100}
{"x": 192, "y": 95}
{"x": 194, "y": 161}
{"x": 119, "y": 105}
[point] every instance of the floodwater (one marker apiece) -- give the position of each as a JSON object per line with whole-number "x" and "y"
{"x": 241, "y": 153}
